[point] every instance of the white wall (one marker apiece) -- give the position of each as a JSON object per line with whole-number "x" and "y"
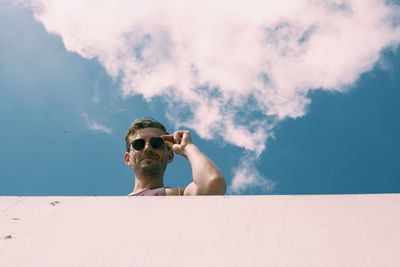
{"x": 331, "y": 230}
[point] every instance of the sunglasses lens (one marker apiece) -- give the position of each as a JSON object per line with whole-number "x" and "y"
{"x": 156, "y": 142}
{"x": 138, "y": 144}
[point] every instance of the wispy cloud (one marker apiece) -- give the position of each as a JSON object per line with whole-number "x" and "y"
{"x": 246, "y": 176}
{"x": 227, "y": 70}
{"x": 95, "y": 126}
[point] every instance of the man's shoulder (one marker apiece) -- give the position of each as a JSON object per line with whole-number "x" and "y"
{"x": 169, "y": 191}
{"x": 190, "y": 189}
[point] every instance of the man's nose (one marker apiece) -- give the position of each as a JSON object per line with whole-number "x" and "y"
{"x": 147, "y": 146}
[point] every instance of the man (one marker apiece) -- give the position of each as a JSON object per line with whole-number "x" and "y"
{"x": 150, "y": 148}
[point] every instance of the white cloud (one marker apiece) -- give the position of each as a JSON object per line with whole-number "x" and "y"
{"x": 229, "y": 69}
{"x": 296, "y": 46}
{"x": 246, "y": 177}
{"x": 95, "y": 126}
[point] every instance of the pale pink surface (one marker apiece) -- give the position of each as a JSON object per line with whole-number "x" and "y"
{"x": 332, "y": 230}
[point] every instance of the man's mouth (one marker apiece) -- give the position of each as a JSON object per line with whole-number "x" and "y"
{"x": 149, "y": 157}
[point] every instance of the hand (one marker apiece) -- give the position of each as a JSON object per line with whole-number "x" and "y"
{"x": 178, "y": 141}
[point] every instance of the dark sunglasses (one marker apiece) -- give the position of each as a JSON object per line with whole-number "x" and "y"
{"x": 155, "y": 142}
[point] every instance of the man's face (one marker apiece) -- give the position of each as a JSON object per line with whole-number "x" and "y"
{"x": 148, "y": 161}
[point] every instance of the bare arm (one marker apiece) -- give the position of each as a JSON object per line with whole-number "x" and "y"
{"x": 207, "y": 178}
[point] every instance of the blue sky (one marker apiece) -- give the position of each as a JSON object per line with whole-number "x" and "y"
{"x": 52, "y": 99}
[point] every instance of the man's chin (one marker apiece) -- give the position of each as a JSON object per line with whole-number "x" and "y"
{"x": 148, "y": 162}
{"x": 151, "y": 168}
{"x": 151, "y": 171}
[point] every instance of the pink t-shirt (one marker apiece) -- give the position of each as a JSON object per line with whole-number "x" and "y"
{"x": 151, "y": 192}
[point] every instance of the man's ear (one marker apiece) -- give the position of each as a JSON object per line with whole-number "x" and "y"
{"x": 127, "y": 159}
{"x": 170, "y": 155}
{"x": 170, "y": 151}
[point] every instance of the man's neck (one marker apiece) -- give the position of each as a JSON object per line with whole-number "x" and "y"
{"x": 142, "y": 183}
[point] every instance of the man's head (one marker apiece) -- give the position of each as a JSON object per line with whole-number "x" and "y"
{"x": 141, "y": 124}
{"x": 146, "y": 153}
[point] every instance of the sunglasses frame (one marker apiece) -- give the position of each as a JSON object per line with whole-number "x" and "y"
{"x": 150, "y": 140}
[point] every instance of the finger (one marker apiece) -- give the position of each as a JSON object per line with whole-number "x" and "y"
{"x": 186, "y": 137}
{"x": 168, "y": 137}
{"x": 177, "y": 137}
{"x": 186, "y": 133}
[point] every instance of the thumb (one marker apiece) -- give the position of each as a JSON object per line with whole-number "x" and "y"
{"x": 169, "y": 144}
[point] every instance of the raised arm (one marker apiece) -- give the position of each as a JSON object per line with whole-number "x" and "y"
{"x": 207, "y": 178}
